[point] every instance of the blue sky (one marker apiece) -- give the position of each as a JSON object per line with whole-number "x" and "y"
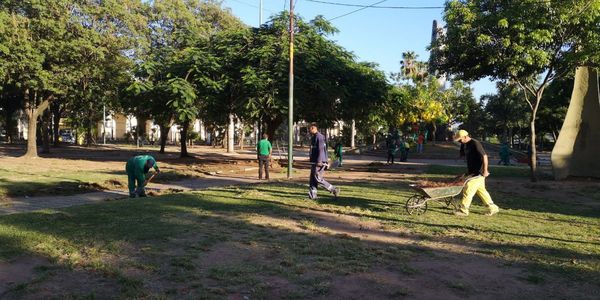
{"x": 375, "y": 35}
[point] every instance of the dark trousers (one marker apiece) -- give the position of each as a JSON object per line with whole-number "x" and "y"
{"x": 390, "y": 158}
{"x": 316, "y": 179}
{"x": 263, "y": 162}
{"x": 404, "y": 155}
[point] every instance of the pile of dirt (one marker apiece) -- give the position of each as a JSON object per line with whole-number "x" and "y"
{"x": 456, "y": 181}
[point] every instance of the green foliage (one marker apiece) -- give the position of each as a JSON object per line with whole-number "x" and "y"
{"x": 518, "y": 40}
{"x": 530, "y": 43}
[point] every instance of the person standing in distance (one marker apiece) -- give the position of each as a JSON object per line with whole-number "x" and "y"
{"x": 263, "y": 151}
{"x": 318, "y": 164}
{"x": 477, "y": 164}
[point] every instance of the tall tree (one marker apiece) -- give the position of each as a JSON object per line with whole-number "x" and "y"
{"x": 506, "y": 110}
{"x": 530, "y": 43}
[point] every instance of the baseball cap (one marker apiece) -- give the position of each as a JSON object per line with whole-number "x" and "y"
{"x": 460, "y": 134}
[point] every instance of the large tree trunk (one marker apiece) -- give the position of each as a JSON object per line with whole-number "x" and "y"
{"x": 164, "y": 132}
{"x": 33, "y": 111}
{"x": 230, "y": 134}
{"x": 184, "y": 131}
{"x": 353, "y": 133}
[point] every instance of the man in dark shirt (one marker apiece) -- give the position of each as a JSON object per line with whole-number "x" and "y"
{"x": 477, "y": 169}
{"x": 319, "y": 163}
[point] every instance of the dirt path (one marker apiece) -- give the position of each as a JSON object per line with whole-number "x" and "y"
{"x": 29, "y": 204}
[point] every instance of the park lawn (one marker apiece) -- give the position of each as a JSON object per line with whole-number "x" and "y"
{"x": 268, "y": 240}
{"x": 64, "y": 177}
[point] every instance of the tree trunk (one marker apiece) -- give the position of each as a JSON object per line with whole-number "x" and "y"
{"x": 230, "y": 134}
{"x": 164, "y": 132}
{"x": 256, "y": 133}
{"x": 184, "y": 131}
{"x": 56, "y": 113}
{"x": 45, "y": 124}
{"x": 433, "y": 132}
{"x": 33, "y": 111}
{"x": 272, "y": 126}
{"x": 374, "y": 139}
{"x": 88, "y": 134}
{"x": 533, "y": 157}
{"x": 353, "y": 133}
{"x": 241, "y": 136}
{"x": 11, "y": 123}
{"x": 32, "y": 115}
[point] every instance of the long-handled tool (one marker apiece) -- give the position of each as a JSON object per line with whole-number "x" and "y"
{"x": 150, "y": 179}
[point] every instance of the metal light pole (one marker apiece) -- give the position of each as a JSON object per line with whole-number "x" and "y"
{"x": 291, "y": 99}
{"x": 260, "y": 16}
{"x": 104, "y": 125}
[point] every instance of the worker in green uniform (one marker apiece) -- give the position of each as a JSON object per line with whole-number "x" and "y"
{"x": 504, "y": 154}
{"x": 263, "y": 153}
{"x": 137, "y": 167}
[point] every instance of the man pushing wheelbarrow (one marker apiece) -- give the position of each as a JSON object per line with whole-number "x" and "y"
{"x": 465, "y": 186}
{"x": 477, "y": 166}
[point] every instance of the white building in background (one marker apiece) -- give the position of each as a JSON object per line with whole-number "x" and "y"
{"x": 120, "y": 127}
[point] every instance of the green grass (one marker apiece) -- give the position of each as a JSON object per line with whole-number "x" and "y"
{"x": 18, "y": 181}
{"x": 168, "y": 238}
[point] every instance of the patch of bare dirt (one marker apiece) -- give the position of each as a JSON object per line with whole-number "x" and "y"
{"x": 18, "y": 271}
{"x": 64, "y": 283}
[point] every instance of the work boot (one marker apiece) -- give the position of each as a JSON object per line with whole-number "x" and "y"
{"x": 143, "y": 195}
{"x": 131, "y": 195}
{"x": 494, "y": 209}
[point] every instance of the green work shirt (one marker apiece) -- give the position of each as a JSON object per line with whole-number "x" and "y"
{"x": 135, "y": 166}
{"x": 264, "y": 147}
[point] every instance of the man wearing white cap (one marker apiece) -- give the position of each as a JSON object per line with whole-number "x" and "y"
{"x": 477, "y": 164}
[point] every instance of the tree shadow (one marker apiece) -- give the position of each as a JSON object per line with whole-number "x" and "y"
{"x": 190, "y": 221}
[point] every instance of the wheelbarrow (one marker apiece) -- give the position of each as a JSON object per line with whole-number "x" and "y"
{"x": 417, "y": 203}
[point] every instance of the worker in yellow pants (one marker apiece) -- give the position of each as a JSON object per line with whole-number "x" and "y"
{"x": 477, "y": 165}
{"x": 476, "y": 186}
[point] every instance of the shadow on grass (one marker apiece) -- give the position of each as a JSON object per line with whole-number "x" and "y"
{"x": 215, "y": 216}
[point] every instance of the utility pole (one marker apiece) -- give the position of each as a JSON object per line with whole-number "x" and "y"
{"x": 260, "y": 12}
{"x": 291, "y": 99}
{"x": 104, "y": 125}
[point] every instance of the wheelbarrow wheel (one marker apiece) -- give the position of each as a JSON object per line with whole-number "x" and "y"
{"x": 416, "y": 205}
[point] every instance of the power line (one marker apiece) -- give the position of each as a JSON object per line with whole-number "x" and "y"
{"x": 357, "y": 10}
{"x": 375, "y": 5}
